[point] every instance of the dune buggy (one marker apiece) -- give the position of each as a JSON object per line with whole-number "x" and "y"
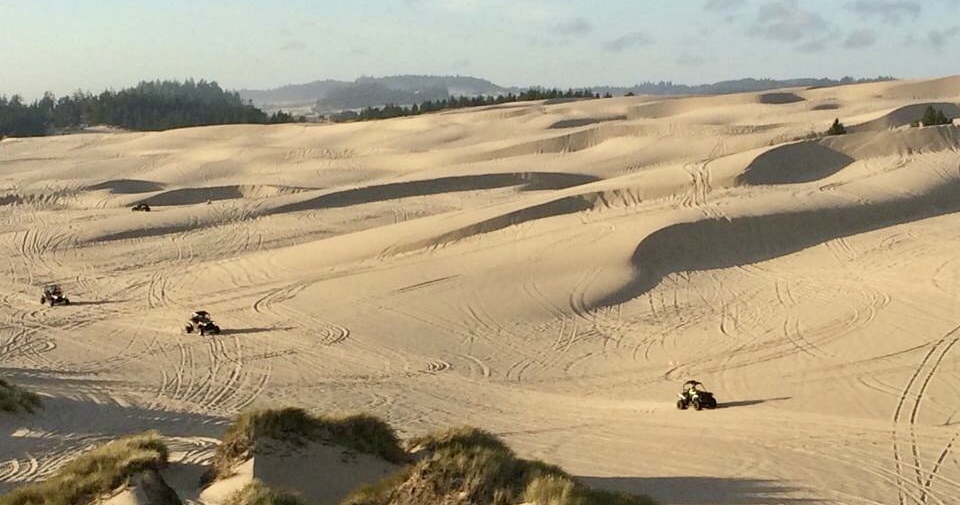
{"x": 53, "y": 295}
{"x": 201, "y": 323}
{"x": 694, "y": 395}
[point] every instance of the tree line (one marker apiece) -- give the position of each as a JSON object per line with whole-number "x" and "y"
{"x": 733, "y": 86}
{"x": 460, "y": 102}
{"x": 150, "y": 106}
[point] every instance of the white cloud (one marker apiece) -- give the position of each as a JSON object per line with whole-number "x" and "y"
{"x": 629, "y": 40}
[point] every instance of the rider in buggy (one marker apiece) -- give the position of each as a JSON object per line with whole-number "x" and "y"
{"x": 201, "y": 323}
{"x": 694, "y": 394}
{"x": 53, "y": 295}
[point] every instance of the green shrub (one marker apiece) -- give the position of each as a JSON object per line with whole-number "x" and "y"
{"x": 362, "y": 433}
{"x": 90, "y": 475}
{"x": 14, "y": 399}
{"x": 836, "y": 128}
{"x": 255, "y": 493}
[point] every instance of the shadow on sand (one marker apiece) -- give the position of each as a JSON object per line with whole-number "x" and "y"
{"x": 100, "y": 302}
{"x": 724, "y": 243}
{"x": 747, "y": 403}
{"x": 702, "y": 490}
{"x": 249, "y": 331}
{"x": 525, "y": 181}
{"x": 82, "y": 414}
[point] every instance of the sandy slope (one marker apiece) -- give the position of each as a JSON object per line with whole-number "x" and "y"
{"x": 551, "y": 272}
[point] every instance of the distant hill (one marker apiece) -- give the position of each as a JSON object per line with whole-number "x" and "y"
{"x": 455, "y": 85}
{"x": 292, "y": 93}
{"x": 331, "y": 95}
{"x": 328, "y": 96}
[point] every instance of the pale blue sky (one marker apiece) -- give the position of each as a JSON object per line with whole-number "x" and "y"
{"x": 63, "y": 45}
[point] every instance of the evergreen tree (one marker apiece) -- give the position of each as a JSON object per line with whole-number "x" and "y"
{"x": 941, "y": 118}
{"x": 836, "y": 128}
{"x": 929, "y": 116}
{"x": 933, "y": 117}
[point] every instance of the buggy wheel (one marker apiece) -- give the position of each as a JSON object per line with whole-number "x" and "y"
{"x": 682, "y": 405}
{"x": 43, "y": 301}
{"x": 188, "y": 328}
{"x": 713, "y": 403}
{"x": 696, "y": 404}
{"x": 66, "y": 301}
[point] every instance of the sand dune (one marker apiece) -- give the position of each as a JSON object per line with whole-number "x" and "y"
{"x": 904, "y": 116}
{"x": 333, "y": 473}
{"x": 794, "y": 163}
{"x": 550, "y": 272}
{"x": 944, "y": 87}
{"x": 532, "y": 181}
{"x": 678, "y": 106}
{"x": 728, "y": 242}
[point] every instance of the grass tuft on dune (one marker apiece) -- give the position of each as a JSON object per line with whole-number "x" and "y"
{"x": 95, "y": 473}
{"x": 15, "y": 399}
{"x": 362, "y": 433}
{"x": 470, "y": 466}
{"x": 255, "y": 493}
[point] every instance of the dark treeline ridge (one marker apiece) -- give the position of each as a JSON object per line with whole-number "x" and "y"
{"x": 734, "y": 86}
{"x": 460, "y": 102}
{"x": 151, "y": 105}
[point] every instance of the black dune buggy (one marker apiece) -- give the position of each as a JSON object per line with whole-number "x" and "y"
{"x": 140, "y": 207}
{"x": 53, "y": 295}
{"x": 694, "y": 395}
{"x": 201, "y": 323}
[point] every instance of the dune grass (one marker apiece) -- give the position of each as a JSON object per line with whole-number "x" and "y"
{"x": 255, "y": 493}
{"x": 14, "y": 399}
{"x": 563, "y": 490}
{"x": 362, "y": 433}
{"x": 94, "y": 473}
{"x": 469, "y": 466}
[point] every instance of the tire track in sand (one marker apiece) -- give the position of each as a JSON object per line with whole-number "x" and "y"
{"x": 927, "y": 368}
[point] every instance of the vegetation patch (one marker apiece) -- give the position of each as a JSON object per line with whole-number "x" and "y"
{"x": 468, "y": 466}
{"x": 255, "y": 493}
{"x": 95, "y": 473}
{"x": 15, "y": 399}
{"x": 362, "y": 433}
{"x": 836, "y": 128}
{"x": 934, "y": 117}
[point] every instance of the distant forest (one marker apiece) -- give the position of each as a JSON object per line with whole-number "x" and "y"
{"x": 734, "y": 86}
{"x": 155, "y": 105}
{"x": 391, "y": 110}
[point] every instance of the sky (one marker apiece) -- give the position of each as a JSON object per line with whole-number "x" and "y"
{"x": 64, "y": 45}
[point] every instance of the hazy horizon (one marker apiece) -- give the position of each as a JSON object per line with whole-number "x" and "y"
{"x": 61, "y": 47}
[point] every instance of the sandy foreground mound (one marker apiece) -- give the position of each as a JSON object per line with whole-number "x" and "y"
{"x": 548, "y": 272}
